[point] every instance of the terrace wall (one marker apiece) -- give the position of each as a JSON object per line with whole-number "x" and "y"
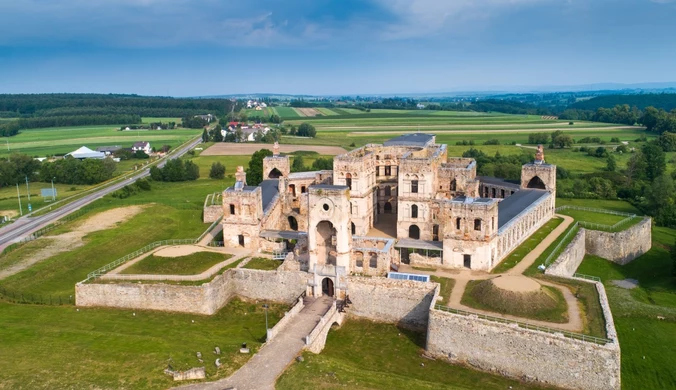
{"x": 523, "y": 353}
{"x": 621, "y": 247}
{"x": 405, "y": 303}
{"x": 571, "y": 258}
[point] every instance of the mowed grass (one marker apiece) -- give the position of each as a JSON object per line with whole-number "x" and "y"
{"x": 62, "y": 140}
{"x": 445, "y": 287}
{"x": 59, "y": 347}
{"x": 263, "y": 264}
{"x": 58, "y": 275}
{"x": 191, "y": 264}
{"x": 593, "y": 217}
{"x": 648, "y": 356}
{"x": 286, "y": 112}
{"x": 527, "y": 246}
{"x": 615, "y": 205}
{"x": 368, "y": 355}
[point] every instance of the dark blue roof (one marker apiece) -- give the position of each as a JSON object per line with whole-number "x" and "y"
{"x": 514, "y": 204}
{"x": 269, "y": 189}
{"x": 417, "y": 139}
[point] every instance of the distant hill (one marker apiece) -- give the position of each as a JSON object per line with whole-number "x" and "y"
{"x": 666, "y": 101}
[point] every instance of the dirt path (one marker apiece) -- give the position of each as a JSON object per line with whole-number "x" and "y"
{"x": 541, "y": 247}
{"x": 246, "y": 149}
{"x": 262, "y": 370}
{"x": 73, "y": 239}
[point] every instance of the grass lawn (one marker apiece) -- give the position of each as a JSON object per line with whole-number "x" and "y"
{"x": 367, "y": 355}
{"x": 616, "y": 205}
{"x": 263, "y": 264}
{"x": 565, "y": 238}
{"x": 445, "y": 288}
{"x": 527, "y": 246}
{"x": 648, "y": 356}
{"x": 57, "y": 347}
{"x": 546, "y": 305}
{"x": 593, "y": 217}
{"x": 57, "y": 275}
{"x": 192, "y": 264}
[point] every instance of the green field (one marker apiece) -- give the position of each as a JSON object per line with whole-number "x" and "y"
{"x": 368, "y": 355}
{"x": 287, "y": 112}
{"x": 61, "y": 140}
{"x": 263, "y": 264}
{"x": 59, "y": 347}
{"x": 146, "y": 120}
{"x": 527, "y": 246}
{"x": 192, "y": 264}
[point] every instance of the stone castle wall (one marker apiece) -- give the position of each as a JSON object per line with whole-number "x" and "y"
{"x": 571, "y": 258}
{"x": 621, "y": 247}
{"x": 402, "y": 302}
{"x": 522, "y": 353}
{"x": 207, "y": 299}
{"x": 212, "y": 213}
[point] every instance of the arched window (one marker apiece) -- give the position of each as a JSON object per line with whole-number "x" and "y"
{"x": 477, "y": 224}
{"x": 414, "y": 232}
{"x": 435, "y": 232}
{"x": 414, "y": 211}
{"x": 414, "y": 186}
{"x": 274, "y": 174}
{"x": 373, "y": 260}
{"x": 348, "y": 180}
{"x": 232, "y": 209}
{"x": 536, "y": 182}
{"x": 454, "y": 185}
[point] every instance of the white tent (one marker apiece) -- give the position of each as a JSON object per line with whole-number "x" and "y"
{"x": 85, "y": 152}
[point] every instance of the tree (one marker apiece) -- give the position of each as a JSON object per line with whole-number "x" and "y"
{"x": 306, "y": 130}
{"x": 217, "y": 171}
{"x": 156, "y": 173}
{"x": 298, "y": 165}
{"x": 673, "y": 259}
{"x": 205, "y": 136}
{"x": 192, "y": 171}
{"x": 322, "y": 164}
{"x": 611, "y": 164}
{"x": 254, "y": 174}
{"x": 636, "y": 167}
{"x": 650, "y": 117}
{"x": 561, "y": 140}
{"x": 655, "y": 160}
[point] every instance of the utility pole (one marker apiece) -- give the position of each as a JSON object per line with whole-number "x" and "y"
{"x": 18, "y": 195}
{"x": 53, "y": 191}
{"x": 28, "y": 191}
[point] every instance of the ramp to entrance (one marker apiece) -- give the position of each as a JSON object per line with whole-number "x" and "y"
{"x": 262, "y": 370}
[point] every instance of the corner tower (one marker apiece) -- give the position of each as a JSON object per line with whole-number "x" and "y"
{"x": 276, "y": 166}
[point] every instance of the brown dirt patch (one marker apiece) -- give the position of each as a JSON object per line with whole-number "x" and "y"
{"x": 180, "y": 250}
{"x": 9, "y": 213}
{"x": 308, "y": 112}
{"x": 73, "y": 239}
{"x": 247, "y": 149}
{"x": 516, "y": 283}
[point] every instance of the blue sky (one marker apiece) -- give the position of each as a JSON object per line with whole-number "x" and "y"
{"x": 210, "y": 47}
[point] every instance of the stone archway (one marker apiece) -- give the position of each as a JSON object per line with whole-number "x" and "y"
{"x": 274, "y": 174}
{"x": 388, "y": 208}
{"x": 414, "y": 232}
{"x": 327, "y": 287}
{"x": 536, "y": 183}
{"x": 293, "y": 223}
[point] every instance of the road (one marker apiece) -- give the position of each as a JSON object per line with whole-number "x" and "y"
{"x": 27, "y": 225}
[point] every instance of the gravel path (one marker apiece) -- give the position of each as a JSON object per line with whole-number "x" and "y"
{"x": 262, "y": 370}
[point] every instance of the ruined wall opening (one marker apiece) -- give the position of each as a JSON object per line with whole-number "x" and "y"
{"x": 414, "y": 232}
{"x": 414, "y": 211}
{"x": 536, "y": 183}
{"x": 232, "y": 209}
{"x": 293, "y": 224}
{"x": 454, "y": 185}
{"x": 274, "y": 174}
{"x": 477, "y": 224}
{"x": 326, "y": 243}
{"x": 353, "y": 228}
{"x": 348, "y": 180}
{"x": 292, "y": 189}
{"x": 388, "y": 208}
{"x": 435, "y": 232}
{"x": 327, "y": 287}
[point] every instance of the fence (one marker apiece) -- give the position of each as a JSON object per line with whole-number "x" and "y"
{"x": 598, "y": 226}
{"x": 209, "y": 229}
{"x": 133, "y": 255}
{"x": 587, "y": 277}
{"x": 560, "y": 246}
{"x": 527, "y": 325}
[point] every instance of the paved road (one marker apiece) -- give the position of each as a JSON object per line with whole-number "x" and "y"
{"x": 262, "y": 370}
{"x": 26, "y": 225}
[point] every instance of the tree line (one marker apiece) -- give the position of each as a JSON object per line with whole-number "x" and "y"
{"x": 65, "y": 171}
{"x": 11, "y": 128}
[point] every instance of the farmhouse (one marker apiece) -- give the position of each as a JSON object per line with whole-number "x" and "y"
{"x": 143, "y": 146}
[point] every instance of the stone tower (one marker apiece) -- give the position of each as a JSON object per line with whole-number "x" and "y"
{"x": 538, "y": 174}
{"x": 329, "y": 239}
{"x": 276, "y": 166}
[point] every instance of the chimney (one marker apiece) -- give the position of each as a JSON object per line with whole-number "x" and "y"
{"x": 240, "y": 178}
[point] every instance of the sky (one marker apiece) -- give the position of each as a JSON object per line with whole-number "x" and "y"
{"x": 331, "y": 47}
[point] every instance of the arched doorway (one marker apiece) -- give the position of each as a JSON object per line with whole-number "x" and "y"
{"x": 293, "y": 224}
{"x": 326, "y": 243}
{"x": 327, "y": 287}
{"x": 537, "y": 183}
{"x": 414, "y": 232}
{"x": 388, "y": 208}
{"x": 274, "y": 174}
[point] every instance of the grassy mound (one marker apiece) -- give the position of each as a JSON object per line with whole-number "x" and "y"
{"x": 263, "y": 264}
{"x": 192, "y": 264}
{"x": 546, "y": 304}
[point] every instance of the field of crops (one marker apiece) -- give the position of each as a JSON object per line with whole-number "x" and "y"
{"x": 62, "y": 140}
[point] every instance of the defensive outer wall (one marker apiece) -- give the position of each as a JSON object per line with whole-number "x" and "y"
{"x": 620, "y": 247}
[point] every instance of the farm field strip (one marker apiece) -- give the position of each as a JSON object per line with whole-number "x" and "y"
{"x": 286, "y": 112}
{"x": 327, "y": 111}
{"x": 527, "y": 130}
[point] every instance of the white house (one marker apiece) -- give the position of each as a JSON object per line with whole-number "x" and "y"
{"x": 143, "y": 145}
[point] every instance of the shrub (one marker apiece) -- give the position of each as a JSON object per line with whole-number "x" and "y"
{"x": 217, "y": 171}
